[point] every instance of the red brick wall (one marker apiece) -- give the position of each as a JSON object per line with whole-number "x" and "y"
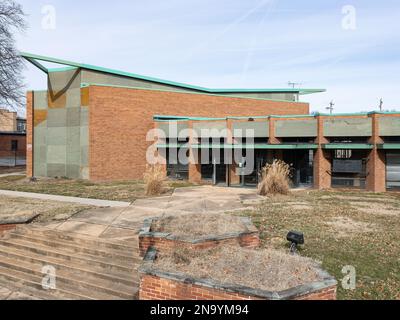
{"x": 29, "y": 134}
{"x": 120, "y": 119}
{"x": 161, "y": 244}
{"x": 6, "y": 227}
{"x": 5, "y": 145}
{"x": 156, "y": 288}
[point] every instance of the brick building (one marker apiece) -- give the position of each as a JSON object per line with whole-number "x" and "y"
{"x": 12, "y": 139}
{"x": 92, "y": 123}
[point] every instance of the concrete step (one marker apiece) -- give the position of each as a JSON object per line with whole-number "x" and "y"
{"x": 69, "y": 281}
{"x": 79, "y": 238}
{"x": 24, "y": 283}
{"x": 82, "y": 269}
{"x": 104, "y": 263}
{"x": 72, "y": 247}
{"x": 86, "y": 267}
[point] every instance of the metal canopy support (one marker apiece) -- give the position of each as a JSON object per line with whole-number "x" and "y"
{"x": 37, "y": 64}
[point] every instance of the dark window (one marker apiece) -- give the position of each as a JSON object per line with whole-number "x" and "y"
{"x": 14, "y": 145}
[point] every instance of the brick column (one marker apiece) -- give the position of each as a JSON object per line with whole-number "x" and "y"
{"x": 29, "y": 134}
{"x": 376, "y": 162}
{"x": 194, "y": 165}
{"x": 232, "y": 176}
{"x": 272, "y": 138}
{"x": 322, "y": 160}
{"x": 161, "y": 153}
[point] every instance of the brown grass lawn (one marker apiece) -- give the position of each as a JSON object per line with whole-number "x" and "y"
{"x": 341, "y": 228}
{"x": 48, "y": 210}
{"x": 118, "y": 191}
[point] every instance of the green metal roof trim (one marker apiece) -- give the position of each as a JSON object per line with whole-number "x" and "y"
{"x": 33, "y": 58}
{"x": 164, "y": 118}
{"x": 348, "y": 146}
{"x": 300, "y": 146}
{"x": 389, "y": 146}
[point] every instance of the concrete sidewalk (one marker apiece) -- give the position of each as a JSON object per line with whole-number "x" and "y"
{"x": 4, "y": 175}
{"x": 84, "y": 201}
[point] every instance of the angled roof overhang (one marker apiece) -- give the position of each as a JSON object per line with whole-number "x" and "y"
{"x": 36, "y": 59}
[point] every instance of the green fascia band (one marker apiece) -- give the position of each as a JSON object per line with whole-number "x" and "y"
{"x": 389, "y": 146}
{"x": 303, "y": 146}
{"x": 348, "y": 146}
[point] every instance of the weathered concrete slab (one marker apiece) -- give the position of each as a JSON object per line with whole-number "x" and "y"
{"x": 91, "y": 229}
{"x": 115, "y": 233}
{"x": 98, "y": 216}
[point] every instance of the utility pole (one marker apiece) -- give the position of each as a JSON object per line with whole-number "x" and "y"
{"x": 381, "y": 105}
{"x": 331, "y": 107}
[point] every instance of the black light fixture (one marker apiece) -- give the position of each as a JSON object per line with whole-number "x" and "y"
{"x": 295, "y": 238}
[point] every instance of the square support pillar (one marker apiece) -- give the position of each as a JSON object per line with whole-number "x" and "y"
{"x": 234, "y": 178}
{"x": 162, "y": 154}
{"x": 272, "y": 139}
{"x": 376, "y": 171}
{"x": 194, "y": 159}
{"x": 322, "y": 169}
{"x": 29, "y": 134}
{"x": 376, "y": 162}
{"x": 195, "y": 173}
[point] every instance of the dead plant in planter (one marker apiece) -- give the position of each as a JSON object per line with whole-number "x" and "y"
{"x": 275, "y": 179}
{"x": 154, "y": 178}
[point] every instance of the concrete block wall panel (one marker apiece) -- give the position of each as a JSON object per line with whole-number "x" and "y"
{"x": 272, "y": 96}
{"x": 40, "y": 100}
{"x": 389, "y": 126}
{"x": 296, "y": 128}
{"x": 96, "y": 77}
{"x": 260, "y": 128}
{"x": 40, "y": 148}
{"x": 117, "y": 149}
{"x": 210, "y": 129}
{"x": 61, "y": 128}
{"x": 351, "y": 127}
{"x": 167, "y": 129}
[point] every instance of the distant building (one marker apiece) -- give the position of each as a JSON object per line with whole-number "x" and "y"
{"x": 12, "y": 139}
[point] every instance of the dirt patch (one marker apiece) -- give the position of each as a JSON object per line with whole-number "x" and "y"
{"x": 199, "y": 224}
{"x": 345, "y": 226}
{"x": 299, "y": 205}
{"x": 269, "y": 270}
{"x": 374, "y": 208}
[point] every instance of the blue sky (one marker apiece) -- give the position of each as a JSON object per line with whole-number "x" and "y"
{"x": 232, "y": 44}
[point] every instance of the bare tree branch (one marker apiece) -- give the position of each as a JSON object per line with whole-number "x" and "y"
{"x": 12, "y": 19}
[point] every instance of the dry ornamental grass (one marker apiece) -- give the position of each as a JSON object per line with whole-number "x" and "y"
{"x": 154, "y": 178}
{"x": 275, "y": 179}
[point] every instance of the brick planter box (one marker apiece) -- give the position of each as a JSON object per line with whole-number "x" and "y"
{"x": 167, "y": 241}
{"x": 11, "y": 221}
{"x": 160, "y": 285}
{"x": 6, "y": 227}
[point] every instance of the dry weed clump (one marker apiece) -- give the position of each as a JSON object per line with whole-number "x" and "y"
{"x": 275, "y": 179}
{"x": 268, "y": 269}
{"x": 154, "y": 178}
{"x": 199, "y": 224}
